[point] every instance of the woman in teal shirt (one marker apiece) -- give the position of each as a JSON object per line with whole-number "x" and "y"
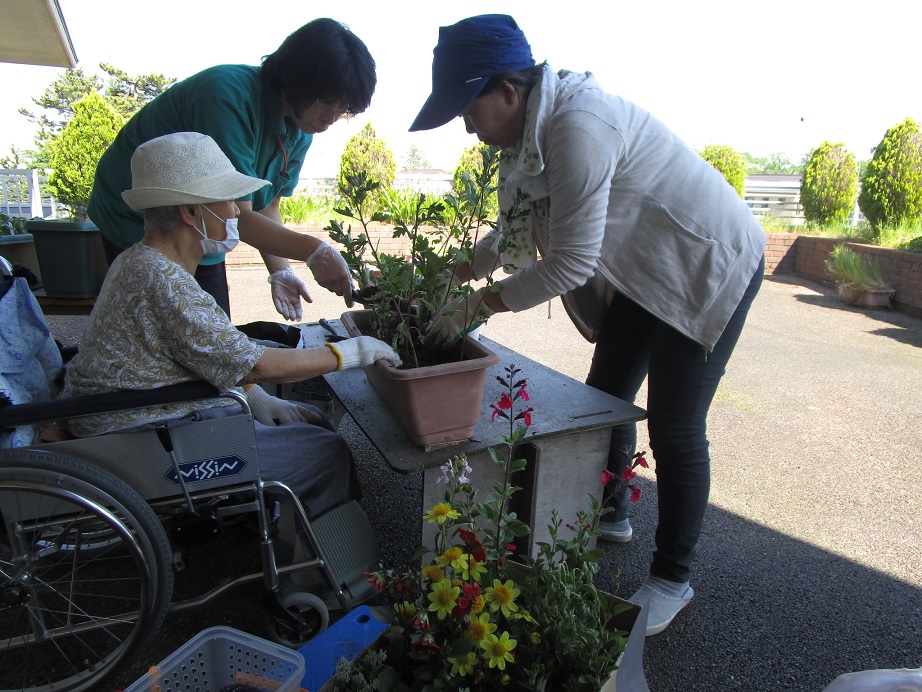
{"x": 264, "y": 118}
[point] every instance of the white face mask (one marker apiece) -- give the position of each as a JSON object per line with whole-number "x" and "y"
{"x": 219, "y": 247}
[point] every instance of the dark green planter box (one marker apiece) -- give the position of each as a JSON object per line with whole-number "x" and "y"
{"x": 20, "y": 249}
{"x": 71, "y": 257}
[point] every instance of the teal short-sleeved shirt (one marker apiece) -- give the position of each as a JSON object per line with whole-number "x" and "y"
{"x": 230, "y": 104}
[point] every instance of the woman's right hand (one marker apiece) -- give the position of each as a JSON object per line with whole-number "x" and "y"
{"x": 331, "y": 271}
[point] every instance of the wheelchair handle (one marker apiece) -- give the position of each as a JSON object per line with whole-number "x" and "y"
{"x": 163, "y": 434}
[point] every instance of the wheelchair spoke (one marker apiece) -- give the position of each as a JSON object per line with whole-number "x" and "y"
{"x": 76, "y": 586}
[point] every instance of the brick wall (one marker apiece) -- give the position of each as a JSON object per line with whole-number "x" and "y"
{"x": 380, "y": 236}
{"x": 785, "y": 253}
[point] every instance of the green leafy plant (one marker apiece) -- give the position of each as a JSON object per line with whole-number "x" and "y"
{"x": 12, "y": 225}
{"x": 484, "y": 618}
{"x": 406, "y": 291}
{"x": 854, "y": 270}
{"x": 76, "y": 152}
{"x": 302, "y": 208}
{"x": 829, "y": 187}
{"x": 730, "y": 164}
{"x": 891, "y": 188}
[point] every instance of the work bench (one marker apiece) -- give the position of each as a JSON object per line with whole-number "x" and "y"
{"x": 566, "y": 445}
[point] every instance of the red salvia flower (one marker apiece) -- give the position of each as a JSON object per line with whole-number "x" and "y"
{"x": 635, "y": 493}
{"x": 607, "y": 476}
{"x": 505, "y": 402}
{"x": 628, "y": 474}
{"x": 473, "y": 544}
{"x": 641, "y": 460}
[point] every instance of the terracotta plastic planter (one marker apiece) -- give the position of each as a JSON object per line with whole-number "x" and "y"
{"x": 435, "y": 404}
{"x": 866, "y": 298}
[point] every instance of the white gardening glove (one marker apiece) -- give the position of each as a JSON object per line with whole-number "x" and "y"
{"x": 331, "y": 271}
{"x": 458, "y": 318}
{"x": 270, "y": 410}
{"x": 362, "y": 351}
{"x": 287, "y": 292}
{"x": 448, "y": 279}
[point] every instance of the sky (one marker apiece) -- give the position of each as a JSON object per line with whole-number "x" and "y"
{"x": 764, "y": 78}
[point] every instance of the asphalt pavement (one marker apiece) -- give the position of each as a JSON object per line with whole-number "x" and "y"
{"x": 810, "y": 563}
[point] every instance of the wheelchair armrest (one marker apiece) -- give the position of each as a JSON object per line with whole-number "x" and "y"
{"x": 91, "y": 404}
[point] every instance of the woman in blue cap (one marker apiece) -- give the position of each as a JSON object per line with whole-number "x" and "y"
{"x": 655, "y": 256}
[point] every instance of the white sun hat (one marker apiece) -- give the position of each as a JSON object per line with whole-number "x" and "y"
{"x": 184, "y": 168}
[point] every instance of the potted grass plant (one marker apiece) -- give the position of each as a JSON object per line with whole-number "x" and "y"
{"x": 437, "y": 394}
{"x": 858, "y": 278}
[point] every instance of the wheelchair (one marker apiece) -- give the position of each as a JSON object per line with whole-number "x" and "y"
{"x": 94, "y": 529}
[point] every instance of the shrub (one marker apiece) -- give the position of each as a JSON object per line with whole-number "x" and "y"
{"x": 830, "y": 184}
{"x": 729, "y": 162}
{"x": 469, "y": 167}
{"x": 368, "y": 155}
{"x": 76, "y": 152}
{"x": 891, "y": 189}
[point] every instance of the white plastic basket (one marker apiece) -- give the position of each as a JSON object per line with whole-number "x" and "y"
{"x": 221, "y": 656}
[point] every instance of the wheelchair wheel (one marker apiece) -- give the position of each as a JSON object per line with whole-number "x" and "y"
{"x": 312, "y": 613}
{"x": 85, "y": 573}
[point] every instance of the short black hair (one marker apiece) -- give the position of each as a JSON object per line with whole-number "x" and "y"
{"x": 523, "y": 80}
{"x": 322, "y": 59}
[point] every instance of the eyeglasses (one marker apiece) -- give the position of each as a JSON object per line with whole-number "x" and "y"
{"x": 333, "y": 105}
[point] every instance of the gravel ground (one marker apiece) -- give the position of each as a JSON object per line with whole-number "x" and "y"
{"x": 811, "y": 560}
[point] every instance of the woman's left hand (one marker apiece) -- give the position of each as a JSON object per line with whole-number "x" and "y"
{"x": 270, "y": 410}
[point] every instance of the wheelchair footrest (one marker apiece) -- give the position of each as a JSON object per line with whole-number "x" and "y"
{"x": 347, "y": 543}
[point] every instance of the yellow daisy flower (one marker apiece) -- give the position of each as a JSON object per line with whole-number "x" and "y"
{"x": 433, "y": 573}
{"x": 501, "y": 596}
{"x": 443, "y": 598}
{"x": 478, "y": 603}
{"x": 480, "y": 627}
{"x": 472, "y": 570}
{"x": 498, "y": 650}
{"x": 441, "y": 512}
{"x": 463, "y": 664}
{"x": 453, "y": 557}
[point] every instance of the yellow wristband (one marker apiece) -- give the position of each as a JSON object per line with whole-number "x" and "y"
{"x": 339, "y": 356}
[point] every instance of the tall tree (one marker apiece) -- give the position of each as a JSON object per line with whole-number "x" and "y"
{"x": 830, "y": 184}
{"x": 891, "y": 187}
{"x": 368, "y": 155}
{"x": 416, "y": 159}
{"x": 124, "y": 93}
{"x": 75, "y": 153}
{"x": 729, "y": 162}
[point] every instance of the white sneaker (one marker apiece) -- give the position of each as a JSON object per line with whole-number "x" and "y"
{"x": 661, "y": 607}
{"x": 615, "y": 531}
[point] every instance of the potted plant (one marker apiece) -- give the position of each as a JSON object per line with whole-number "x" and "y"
{"x": 858, "y": 278}
{"x": 480, "y": 617}
{"x": 17, "y": 245}
{"x": 70, "y": 250}
{"x": 403, "y": 292}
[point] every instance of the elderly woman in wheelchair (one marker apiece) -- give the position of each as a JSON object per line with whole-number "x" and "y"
{"x": 187, "y": 463}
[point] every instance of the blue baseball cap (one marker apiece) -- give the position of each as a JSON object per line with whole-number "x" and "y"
{"x": 467, "y": 55}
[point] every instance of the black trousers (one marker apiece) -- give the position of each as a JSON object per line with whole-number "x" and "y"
{"x": 682, "y": 379}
